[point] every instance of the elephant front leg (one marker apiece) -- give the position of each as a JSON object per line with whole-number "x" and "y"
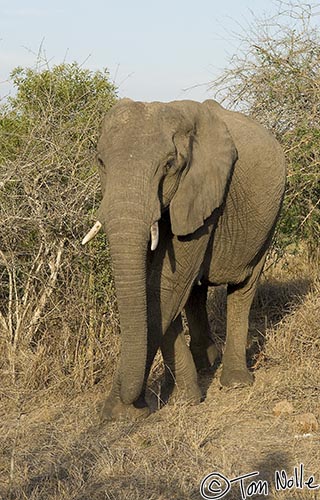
{"x": 203, "y": 350}
{"x": 180, "y": 372}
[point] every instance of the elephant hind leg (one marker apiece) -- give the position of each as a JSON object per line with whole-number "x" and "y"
{"x": 203, "y": 350}
{"x": 239, "y": 299}
{"x": 180, "y": 372}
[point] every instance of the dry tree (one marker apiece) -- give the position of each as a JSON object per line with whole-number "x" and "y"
{"x": 51, "y": 303}
{"x": 275, "y": 78}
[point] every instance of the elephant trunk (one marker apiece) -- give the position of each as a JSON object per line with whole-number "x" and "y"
{"x": 128, "y": 243}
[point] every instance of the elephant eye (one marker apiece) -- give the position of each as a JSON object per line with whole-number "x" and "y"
{"x": 100, "y": 161}
{"x": 169, "y": 165}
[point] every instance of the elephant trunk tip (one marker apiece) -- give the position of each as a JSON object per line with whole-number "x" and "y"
{"x": 129, "y": 394}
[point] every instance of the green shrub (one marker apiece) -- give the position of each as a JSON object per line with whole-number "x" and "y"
{"x": 52, "y": 301}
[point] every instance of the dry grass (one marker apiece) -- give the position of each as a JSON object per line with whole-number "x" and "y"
{"x": 53, "y": 448}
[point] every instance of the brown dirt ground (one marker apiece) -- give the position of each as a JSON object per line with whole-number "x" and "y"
{"x": 52, "y": 446}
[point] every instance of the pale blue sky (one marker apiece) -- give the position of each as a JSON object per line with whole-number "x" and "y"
{"x": 153, "y": 49}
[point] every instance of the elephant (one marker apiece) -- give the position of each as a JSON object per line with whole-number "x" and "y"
{"x": 191, "y": 193}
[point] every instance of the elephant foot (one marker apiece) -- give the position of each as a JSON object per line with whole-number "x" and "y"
{"x": 236, "y": 378}
{"x": 172, "y": 393}
{"x": 115, "y": 409}
{"x": 204, "y": 358}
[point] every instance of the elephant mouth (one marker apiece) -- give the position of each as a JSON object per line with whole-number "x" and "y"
{"x": 154, "y": 234}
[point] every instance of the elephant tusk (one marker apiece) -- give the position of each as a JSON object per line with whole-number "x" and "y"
{"x": 154, "y": 235}
{"x": 92, "y": 233}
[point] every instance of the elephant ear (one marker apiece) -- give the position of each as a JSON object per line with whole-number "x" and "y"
{"x": 203, "y": 185}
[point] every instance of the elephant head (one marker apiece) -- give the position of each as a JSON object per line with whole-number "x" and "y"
{"x": 155, "y": 157}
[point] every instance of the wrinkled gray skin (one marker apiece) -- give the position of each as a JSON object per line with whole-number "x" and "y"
{"x": 214, "y": 180}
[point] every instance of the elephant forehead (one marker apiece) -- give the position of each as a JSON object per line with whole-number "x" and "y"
{"x": 129, "y": 149}
{"x": 115, "y": 138}
{"x": 134, "y": 142}
{"x": 128, "y": 113}
{"x": 138, "y": 130}
{"x": 142, "y": 118}
{"x": 132, "y": 129}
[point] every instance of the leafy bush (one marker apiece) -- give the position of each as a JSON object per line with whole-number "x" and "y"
{"x": 52, "y": 306}
{"x": 276, "y": 79}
